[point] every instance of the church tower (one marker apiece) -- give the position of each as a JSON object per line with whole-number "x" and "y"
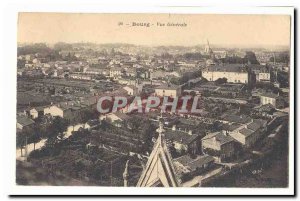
{"x": 208, "y": 50}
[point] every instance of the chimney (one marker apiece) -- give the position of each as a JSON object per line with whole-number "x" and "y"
{"x": 174, "y": 127}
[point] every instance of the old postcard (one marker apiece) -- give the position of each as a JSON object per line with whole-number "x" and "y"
{"x": 154, "y": 100}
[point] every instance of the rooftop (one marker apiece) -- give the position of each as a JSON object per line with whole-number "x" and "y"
{"x": 193, "y": 163}
{"x": 219, "y": 136}
{"x": 180, "y": 136}
{"x": 242, "y": 119}
{"x": 24, "y": 121}
{"x": 228, "y": 68}
{"x": 246, "y": 132}
{"x": 170, "y": 86}
{"x": 270, "y": 95}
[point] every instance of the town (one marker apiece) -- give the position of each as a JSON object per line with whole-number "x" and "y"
{"x": 238, "y": 137}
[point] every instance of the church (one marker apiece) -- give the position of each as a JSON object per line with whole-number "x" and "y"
{"x": 161, "y": 170}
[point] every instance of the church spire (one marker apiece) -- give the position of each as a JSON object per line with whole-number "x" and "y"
{"x": 159, "y": 170}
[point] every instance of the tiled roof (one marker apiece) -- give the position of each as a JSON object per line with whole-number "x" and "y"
{"x": 122, "y": 115}
{"x": 270, "y": 95}
{"x": 166, "y": 87}
{"x": 253, "y": 126}
{"x": 24, "y": 121}
{"x": 179, "y": 136}
{"x": 220, "y": 137}
{"x": 192, "y": 164}
{"x": 233, "y": 126}
{"x": 228, "y": 68}
{"x": 235, "y": 118}
{"x": 246, "y": 132}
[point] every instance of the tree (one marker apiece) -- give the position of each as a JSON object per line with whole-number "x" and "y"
{"x": 61, "y": 136}
{"x": 35, "y": 136}
{"x": 87, "y": 115}
{"x": 192, "y": 56}
{"x": 134, "y": 123}
{"x": 221, "y": 81}
{"x": 250, "y": 57}
{"x": 105, "y": 124}
{"x": 20, "y": 142}
{"x": 173, "y": 151}
{"x": 216, "y": 126}
{"x": 147, "y": 134}
{"x": 62, "y": 46}
{"x": 57, "y": 127}
{"x": 283, "y": 57}
{"x": 175, "y": 80}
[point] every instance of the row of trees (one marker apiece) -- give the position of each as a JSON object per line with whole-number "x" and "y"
{"x": 249, "y": 57}
{"x": 52, "y": 132}
{"x": 281, "y": 58}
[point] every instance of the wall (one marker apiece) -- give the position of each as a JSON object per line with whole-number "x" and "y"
{"x": 54, "y": 111}
{"x": 167, "y": 92}
{"x": 234, "y": 77}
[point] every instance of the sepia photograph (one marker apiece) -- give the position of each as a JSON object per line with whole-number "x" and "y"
{"x": 154, "y": 100}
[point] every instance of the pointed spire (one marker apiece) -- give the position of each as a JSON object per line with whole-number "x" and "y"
{"x": 159, "y": 170}
{"x": 160, "y": 130}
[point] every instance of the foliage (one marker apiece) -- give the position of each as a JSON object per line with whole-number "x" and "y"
{"x": 62, "y": 46}
{"x": 283, "y": 57}
{"x": 192, "y": 56}
{"x": 221, "y": 81}
{"x": 185, "y": 77}
{"x": 55, "y": 130}
{"x": 250, "y": 57}
{"x": 33, "y": 49}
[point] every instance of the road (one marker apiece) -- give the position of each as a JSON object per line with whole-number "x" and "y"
{"x": 40, "y": 144}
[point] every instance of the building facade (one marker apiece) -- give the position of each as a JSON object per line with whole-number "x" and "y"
{"x": 234, "y": 73}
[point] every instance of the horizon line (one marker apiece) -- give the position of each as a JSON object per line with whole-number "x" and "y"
{"x": 163, "y": 45}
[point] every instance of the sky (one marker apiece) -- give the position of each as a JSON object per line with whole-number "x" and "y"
{"x": 228, "y": 30}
